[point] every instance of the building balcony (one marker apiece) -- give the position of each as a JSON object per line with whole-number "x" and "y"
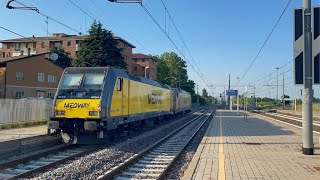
{"x": 25, "y": 53}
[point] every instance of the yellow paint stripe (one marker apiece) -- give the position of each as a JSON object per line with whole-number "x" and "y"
{"x": 221, "y": 175}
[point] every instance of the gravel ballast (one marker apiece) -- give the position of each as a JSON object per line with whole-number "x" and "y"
{"x": 95, "y": 164}
{"x": 178, "y": 169}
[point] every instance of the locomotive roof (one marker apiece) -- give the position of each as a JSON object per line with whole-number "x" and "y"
{"x": 122, "y": 73}
{"x": 118, "y": 72}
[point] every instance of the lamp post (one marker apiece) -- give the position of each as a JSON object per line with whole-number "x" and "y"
{"x": 145, "y": 71}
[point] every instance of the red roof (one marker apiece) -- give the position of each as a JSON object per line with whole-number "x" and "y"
{"x": 52, "y": 38}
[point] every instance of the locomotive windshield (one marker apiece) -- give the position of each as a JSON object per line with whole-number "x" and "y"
{"x": 81, "y": 86}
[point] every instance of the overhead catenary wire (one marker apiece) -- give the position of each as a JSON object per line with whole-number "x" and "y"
{"x": 283, "y": 66}
{"x": 126, "y": 32}
{"x": 180, "y": 36}
{"x": 174, "y": 44}
{"x": 27, "y": 38}
{"x": 265, "y": 42}
{"x": 48, "y": 17}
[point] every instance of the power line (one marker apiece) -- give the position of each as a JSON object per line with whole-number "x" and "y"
{"x": 174, "y": 24}
{"x": 51, "y": 18}
{"x": 82, "y": 10}
{"x": 265, "y": 42}
{"x": 13, "y": 32}
{"x": 272, "y": 72}
{"x": 164, "y": 32}
{"x": 126, "y": 32}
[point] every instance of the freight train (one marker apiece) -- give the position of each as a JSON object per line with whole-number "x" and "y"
{"x": 93, "y": 104}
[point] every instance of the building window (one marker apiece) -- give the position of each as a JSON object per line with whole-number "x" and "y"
{"x": 19, "y": 76}
{"x": 27, "y": 45}
{"x": 19, "y": 94}
{"x": 42, "y": 45}
{"x": 8, "y": 46}
{"x": 50, "y": 95}
{"x": 135, "y": 69}
{"x": 51, "y": 78}
{"x": 40, "y": 94}
{"x": 40, "y": 77}
{"x": 142, "y": 60}
{"x": 34, "y": 45}
{"x": 135, "y": 60}
{"x": 69, "y": 43}
{"x": 143, "y": 68}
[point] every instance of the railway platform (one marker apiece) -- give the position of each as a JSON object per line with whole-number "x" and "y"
{"x": 19, "y": 133}
{"x": 235, "y": 147}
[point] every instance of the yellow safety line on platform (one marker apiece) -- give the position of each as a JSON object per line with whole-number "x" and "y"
{"x": 221, "y": 175}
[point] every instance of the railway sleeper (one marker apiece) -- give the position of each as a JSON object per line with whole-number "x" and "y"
{"x": 139, "y": 175}
{"x": 133, "y": 169}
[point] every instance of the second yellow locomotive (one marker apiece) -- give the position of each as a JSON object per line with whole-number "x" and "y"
{"x": 94, "y": 103}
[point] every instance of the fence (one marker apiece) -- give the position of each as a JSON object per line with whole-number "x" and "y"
{"x": 21, "y": 110}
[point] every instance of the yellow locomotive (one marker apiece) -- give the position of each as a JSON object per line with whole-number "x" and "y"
{"x": 93, "y": 103}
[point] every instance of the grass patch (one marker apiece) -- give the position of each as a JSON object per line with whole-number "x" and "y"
{"x": 23, "y": 124}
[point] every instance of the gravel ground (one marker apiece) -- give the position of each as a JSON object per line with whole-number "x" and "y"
{"x": 95, "y": 164}
{"x": 177, "y": 170}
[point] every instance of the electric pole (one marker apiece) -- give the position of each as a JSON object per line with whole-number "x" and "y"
{"x": 283, "y": 103}
{"x": 307, "y": 91}
{"x": 277, "y": 68}
{"x": 197, "y": 95}
{"x": 238, "y": 97}
{"x": 230, "y": 106}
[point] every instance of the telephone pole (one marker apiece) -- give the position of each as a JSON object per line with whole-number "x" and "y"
{"x": 307, "y": 91}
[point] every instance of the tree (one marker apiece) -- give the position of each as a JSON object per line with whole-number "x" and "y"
{"x": 204, "y": 93}
{"x": 100, "y": 49}
{"x": 63, "y": 59}
{"x": 171, "y": 69}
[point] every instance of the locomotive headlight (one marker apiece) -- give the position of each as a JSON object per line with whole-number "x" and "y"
{"x": 93, "y": 113}
{"x": 60, "y": 113}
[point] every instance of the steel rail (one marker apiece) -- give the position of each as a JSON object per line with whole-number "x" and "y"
{"x": 121, "y": 167}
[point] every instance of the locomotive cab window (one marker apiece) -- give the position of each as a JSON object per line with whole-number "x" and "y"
{"x": 119, "y": 84}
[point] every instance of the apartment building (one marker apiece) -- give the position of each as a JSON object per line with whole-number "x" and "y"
{"x": 28, "y": 76}
{"x": 70, "y": 43}
{"x": 144, "y": 65}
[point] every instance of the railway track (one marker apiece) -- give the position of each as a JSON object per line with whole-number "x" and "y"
{"x": 290, "y": 119}
{"x": 24, "y": 167}
{"x": 41, "y": 161}
{"x": 155, "y": 161}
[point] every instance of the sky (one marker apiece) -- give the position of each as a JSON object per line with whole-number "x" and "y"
{"x": 223, "y": 36}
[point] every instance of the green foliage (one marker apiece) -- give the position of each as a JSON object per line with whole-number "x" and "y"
{"x": 63, "y": 59}
{"x": 99, "y": 49}
{"x": 170, "y": 67}
{"x": 204, "y": 93}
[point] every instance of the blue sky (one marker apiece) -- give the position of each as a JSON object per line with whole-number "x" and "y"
{"x": 223, "y": 36}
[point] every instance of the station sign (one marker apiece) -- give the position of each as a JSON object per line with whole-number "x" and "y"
{"x": 231, "y": 92}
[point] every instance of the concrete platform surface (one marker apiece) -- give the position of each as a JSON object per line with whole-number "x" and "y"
{"x": 234, "y": 148}
{"x": 18, "y": 133}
